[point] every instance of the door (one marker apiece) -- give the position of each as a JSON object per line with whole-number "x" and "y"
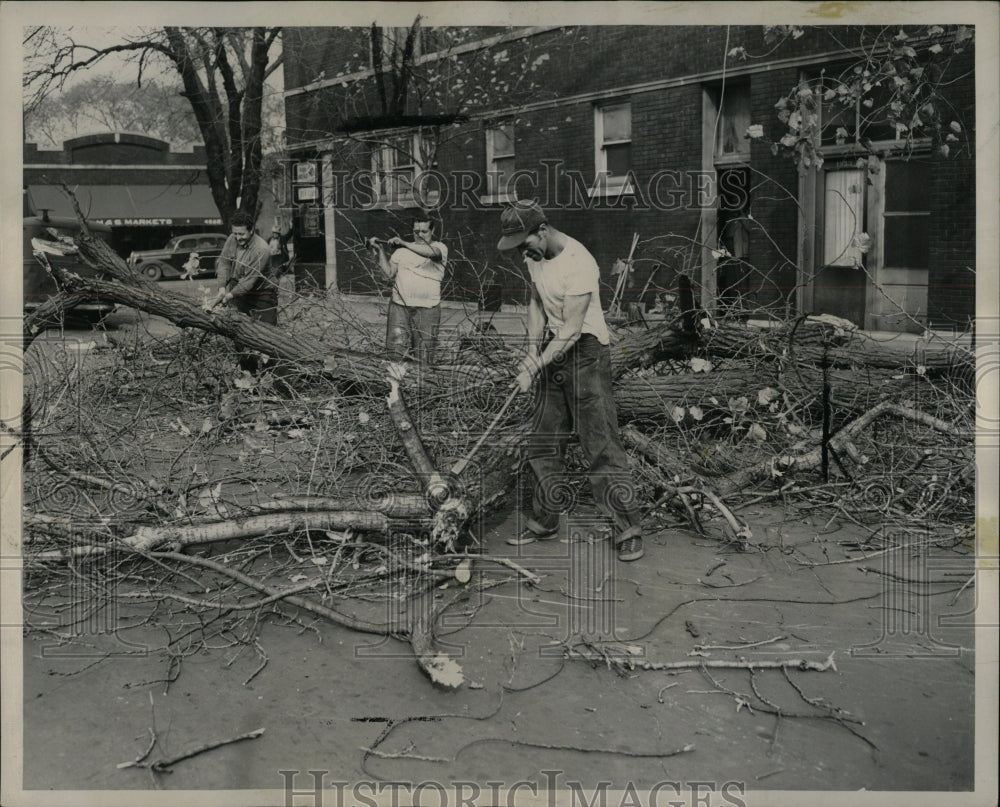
{"x": 872, "y": 245}
{"x": 897, "y": 297}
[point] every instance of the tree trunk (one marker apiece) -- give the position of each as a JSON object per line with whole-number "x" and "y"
{"x": 656, "y": 396}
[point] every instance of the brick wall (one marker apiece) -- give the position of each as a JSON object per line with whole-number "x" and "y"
{"x": 667, "y": 133}
{"x": 951, "y": 294}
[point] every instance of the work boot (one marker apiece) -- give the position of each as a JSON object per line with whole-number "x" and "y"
{"x": 629, "y": 545}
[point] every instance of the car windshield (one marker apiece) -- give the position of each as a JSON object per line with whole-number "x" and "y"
{"x": 172, "y": 243}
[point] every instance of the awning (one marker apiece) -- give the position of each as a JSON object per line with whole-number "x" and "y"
{"x": 131, "y": 205}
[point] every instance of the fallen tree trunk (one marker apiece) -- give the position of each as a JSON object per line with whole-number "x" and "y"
{"x": 654, "y": 396}
{"x": 808, "y": 342}
{"x": 811, "y": 342}
{"x": 147, "y": 539}
{"x": 850, "y": 390}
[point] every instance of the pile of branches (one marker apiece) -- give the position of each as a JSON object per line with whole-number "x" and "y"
{"x": 157, "y": 472}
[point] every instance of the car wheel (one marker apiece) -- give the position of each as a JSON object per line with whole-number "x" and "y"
{"x": 153, "y": 270}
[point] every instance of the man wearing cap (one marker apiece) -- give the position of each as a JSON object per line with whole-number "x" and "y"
{"x": 568, "y": 348}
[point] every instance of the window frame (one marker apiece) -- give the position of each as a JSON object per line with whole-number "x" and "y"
{"x": 384, "y": 164}
{"x": 494, "y": 193}
{"x": 721, "y": 93}
{"x": 604, "y": 183}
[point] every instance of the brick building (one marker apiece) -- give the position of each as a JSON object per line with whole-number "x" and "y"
{"x": 648, "y": 130}
{"x": 134, "y": 184}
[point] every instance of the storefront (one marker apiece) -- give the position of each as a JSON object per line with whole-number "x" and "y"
{"x": 132, "y": 183}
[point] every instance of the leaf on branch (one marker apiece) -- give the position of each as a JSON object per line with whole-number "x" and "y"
{"x": 539, "y": 61}
{"x": 739, "y": 406}
{"x": 766, "y": 395}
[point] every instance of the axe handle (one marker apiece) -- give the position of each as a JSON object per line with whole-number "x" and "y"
{"x": 463, "y": 463}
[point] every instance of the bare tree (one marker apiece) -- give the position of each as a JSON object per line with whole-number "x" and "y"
{"x": 105, "y": 103}
{"x": 222, "y": 72}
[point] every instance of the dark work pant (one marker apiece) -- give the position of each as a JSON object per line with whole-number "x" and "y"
{"x": 260, "y": 306}
{"x": 411, "y": 331}
{"x": 575, "y": 395}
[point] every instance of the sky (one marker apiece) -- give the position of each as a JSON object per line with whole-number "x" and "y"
{"x": 120, "y": 66}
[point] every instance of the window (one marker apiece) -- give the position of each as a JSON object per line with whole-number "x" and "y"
{"x": 904, "y": 217}
{"x": 613, "y": 144}
{"x": 733, "y": 119}
{"x": 499, "y": 160}
{"x": 396, "y": 164}
{"x": 846, "y": 116}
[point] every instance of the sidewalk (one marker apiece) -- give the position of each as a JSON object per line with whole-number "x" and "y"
{"x": 457, "y": 315}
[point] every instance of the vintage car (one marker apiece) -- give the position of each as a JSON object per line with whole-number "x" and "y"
{"x": 191, "y": 255}
{"x": 49, "y": 240}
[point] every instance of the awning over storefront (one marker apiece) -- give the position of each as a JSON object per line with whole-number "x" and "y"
{"x": 131, "y": 205}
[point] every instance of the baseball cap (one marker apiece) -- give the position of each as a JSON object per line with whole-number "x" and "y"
{"x": 518, "y": 221}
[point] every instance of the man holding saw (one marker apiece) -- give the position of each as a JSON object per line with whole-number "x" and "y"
{"x": 568, "y": 350}
{"x": 416, "y": 269}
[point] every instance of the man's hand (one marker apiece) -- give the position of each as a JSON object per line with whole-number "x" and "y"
{"x": 222, "y": 298}
{"x": 526, "y": 371}
{"x": 396, "y": 241}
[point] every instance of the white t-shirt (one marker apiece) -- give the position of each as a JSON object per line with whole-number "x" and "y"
{"x": 418, "y": 279}
{"x": 572, "y": 272}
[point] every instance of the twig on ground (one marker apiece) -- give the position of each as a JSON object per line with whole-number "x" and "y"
{"x": 162, "y": 765}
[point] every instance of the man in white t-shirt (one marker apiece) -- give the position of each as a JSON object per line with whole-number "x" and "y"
{"x": 568, "y": 348}
{"x": 416, "y": 269}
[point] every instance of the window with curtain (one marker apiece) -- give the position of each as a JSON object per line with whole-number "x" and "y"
{"x": 843, "y": 216}
{"x": 731, "y": 142}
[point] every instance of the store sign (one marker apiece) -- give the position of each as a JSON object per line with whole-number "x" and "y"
{"x": 304, "y": 172}
{"x": 306, "y": 193}
{"x": 154, "y": 222}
